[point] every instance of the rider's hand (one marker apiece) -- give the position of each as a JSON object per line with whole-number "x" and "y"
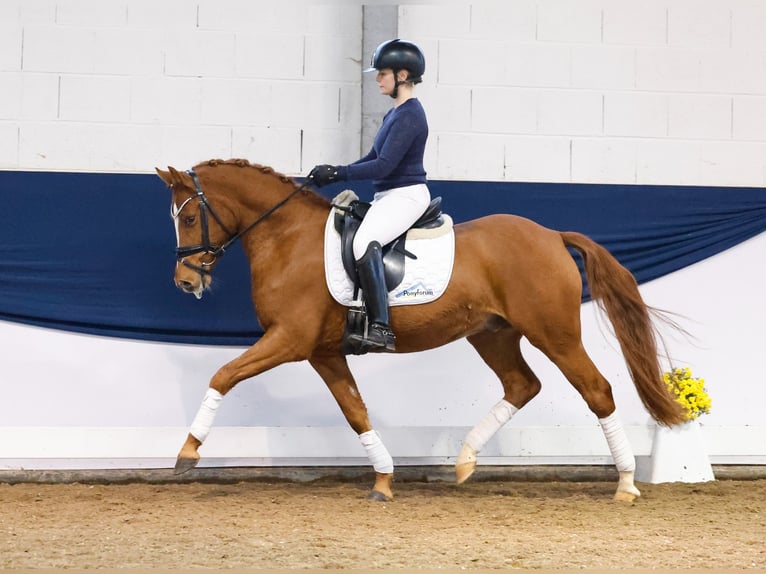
{"x": 324, "y": 174}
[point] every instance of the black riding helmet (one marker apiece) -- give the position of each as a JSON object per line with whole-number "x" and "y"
{"x": 398, "y": 55}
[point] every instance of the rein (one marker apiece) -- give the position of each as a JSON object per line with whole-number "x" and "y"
{"x": 204, "y": 208}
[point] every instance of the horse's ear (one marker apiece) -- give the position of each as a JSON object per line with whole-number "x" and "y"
{"x": 165, "y": 176}
{"x": 171, "y": 177}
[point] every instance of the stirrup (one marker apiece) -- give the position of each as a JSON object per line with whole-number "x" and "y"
{"x": 379, "y": 338}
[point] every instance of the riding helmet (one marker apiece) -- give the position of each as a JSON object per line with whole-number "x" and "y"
{"x": 399, "y": 55}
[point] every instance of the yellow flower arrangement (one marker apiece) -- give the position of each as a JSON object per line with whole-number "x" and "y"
{"x": 689, "y": 392}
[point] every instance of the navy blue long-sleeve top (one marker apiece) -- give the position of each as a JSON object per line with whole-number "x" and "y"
{"x": 396, "y": 157}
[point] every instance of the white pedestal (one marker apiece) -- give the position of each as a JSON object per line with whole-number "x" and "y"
{"x": 678, "y": 455}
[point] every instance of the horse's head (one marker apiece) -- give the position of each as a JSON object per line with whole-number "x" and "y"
{"x": 202, "y": 231}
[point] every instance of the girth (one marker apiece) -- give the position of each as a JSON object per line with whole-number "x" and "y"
{"x": 349, "y": 218}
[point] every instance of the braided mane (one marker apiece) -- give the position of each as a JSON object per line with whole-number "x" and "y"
{"x": 239, "y": 162}
{"x": 266, "y": 170}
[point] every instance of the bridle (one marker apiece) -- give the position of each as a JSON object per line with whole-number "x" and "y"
{"x": 205, "y": 246}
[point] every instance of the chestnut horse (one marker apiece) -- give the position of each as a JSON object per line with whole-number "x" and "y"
{"x": 512, "y": 278}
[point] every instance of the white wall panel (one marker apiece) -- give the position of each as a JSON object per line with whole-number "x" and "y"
{"x": 269, "y": 56}
{"x": 520, "y": 114}
{"x": 699, "y": 23}
{"x": 700, "y": 117}
{"x": 664, "y": 71}
{"x": 535, "y": 65}
{"x": 200, "y": 53}
{"x": 39, "y": 98}
{"x": 468, "y": 62}
{"x": 604, "y": 67}
{"x": 570, "y": 22}
{"x": 128, "y": 52}
{"x": 185, "y": 146}
{"x": 9, "y": 145}
{"x": 657, "y": 69}
{"x": 463, "y": 156}
{"x": 570, "y": 112}
{"x": 601, "y": 160}
{"x": 639, "y": 24}
{"x": 321, "y": 145}
{"x": 153, "y": 70}
{"x": 59, "y": 49}
{"x": 510, "y": 21}
{"x": 166, "y": 101}
{"x": 452, "y": 19}
{"x": 276, "y": 147}
{"x": 10, "y": 47}
{"x": 528, "y": 156}
{"x": 749, "y": 118}
{"x": 238, "y": 101}
{"x": 748, "y": 21}
{"x": 333, "y": 59}
{"x": 699, "y": 163}
{"x": 92, "y": 13}
{"x": 10, "y": 95}
{"x": 448, "y": 106}
{"x": 168, "y": 14}
{"x": 94, "y": 99}
{"x": 632, "y": 114}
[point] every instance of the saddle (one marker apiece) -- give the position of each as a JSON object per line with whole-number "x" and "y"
{"x": 349, "y": 213}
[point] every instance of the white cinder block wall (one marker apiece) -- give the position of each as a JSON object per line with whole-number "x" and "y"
{"x": 608, "y": 91}
{"x": 94, "y": 85}
{"x": 651, "y": 92}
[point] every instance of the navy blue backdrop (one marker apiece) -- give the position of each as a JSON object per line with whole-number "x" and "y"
{"x": 93, "y": 253}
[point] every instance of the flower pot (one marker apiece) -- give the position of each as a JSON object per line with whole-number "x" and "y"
{"x": 678, "y": 455}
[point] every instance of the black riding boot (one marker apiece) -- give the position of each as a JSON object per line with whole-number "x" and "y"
{"x": 379, "y": 337}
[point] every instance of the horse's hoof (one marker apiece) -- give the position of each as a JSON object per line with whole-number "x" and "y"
{"x": 623, "y": 496}
{"x": 185, "y": 465}
{"x": 378, "y": 496}
{"x": 464, "y": 471}
{"x": 465, "y": 464}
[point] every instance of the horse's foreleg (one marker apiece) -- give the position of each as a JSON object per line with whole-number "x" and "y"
{"x": 189, "y": 455}
{"x": 502, "y": 353}
{"x": 267, "y": 353}
{"x": 338, "y": 378}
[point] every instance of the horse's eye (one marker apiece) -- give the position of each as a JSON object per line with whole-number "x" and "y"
{"x": 189, "y": 220}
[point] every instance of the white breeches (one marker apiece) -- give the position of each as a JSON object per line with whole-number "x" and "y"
{"x": 392, "y": 212}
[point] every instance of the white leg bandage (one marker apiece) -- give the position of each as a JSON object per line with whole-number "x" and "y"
{"x": 204, "y": 419}
{"x": 377, "y": 452}
{"x": 618, "y": 443}
{"x": 500, "y": 414}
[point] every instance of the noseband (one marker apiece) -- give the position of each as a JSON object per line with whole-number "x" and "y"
{"x": 216, "y": 251}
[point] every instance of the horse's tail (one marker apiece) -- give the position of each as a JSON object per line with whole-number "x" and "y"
{"x": 615, "y": 291}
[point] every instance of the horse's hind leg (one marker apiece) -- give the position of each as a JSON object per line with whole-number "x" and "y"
{"x": 335, "y": 372}
{"x": 580, "y": 371}
{"x": 502, "y": 352}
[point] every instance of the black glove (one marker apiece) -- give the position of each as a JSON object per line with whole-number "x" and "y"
{"x": 324, "y": 174}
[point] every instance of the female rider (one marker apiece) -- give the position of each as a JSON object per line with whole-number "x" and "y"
{"x": 395, "y": 164}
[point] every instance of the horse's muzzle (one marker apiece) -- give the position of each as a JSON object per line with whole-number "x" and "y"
{"x": 189, "y": 287}
{"x": 189, "y": 281}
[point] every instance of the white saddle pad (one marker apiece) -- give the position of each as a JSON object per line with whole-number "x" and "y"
{"x": 425, "y": 278}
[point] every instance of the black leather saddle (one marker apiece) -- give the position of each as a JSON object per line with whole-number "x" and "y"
{"x": 347, "y": 221}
